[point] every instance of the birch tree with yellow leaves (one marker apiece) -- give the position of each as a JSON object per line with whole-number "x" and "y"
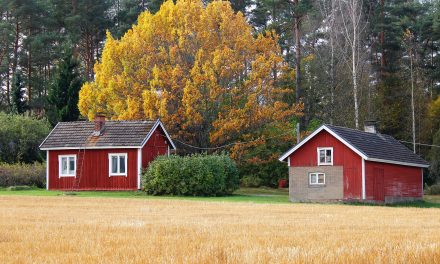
{"x": 202, "y": 70}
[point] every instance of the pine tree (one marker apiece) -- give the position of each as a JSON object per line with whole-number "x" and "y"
{"x": 19, "y": 103}
{"x": 63, "y": 93}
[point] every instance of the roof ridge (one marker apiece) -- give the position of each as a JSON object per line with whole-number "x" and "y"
{"x": 357, "y": 130}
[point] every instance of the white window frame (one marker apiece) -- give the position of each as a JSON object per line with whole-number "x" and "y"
{"x": 325, "y": 163}
{"x": 317, "y": 177}
{"x": 110, "y": 155}
{"x": 60, "y": 171}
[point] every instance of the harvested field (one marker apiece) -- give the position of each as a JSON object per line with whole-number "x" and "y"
{"x": 108, "y": 230}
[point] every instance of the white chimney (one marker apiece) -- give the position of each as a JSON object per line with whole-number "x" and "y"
{"x": 370, "y": 126}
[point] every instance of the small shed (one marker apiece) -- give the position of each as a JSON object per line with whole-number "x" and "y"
{"x": 339, "y": 163}
{"x": 102, "y": 155}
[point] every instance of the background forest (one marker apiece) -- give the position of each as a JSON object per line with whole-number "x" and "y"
{"x": 329, "y": 61}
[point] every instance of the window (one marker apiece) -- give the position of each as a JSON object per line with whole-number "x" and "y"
{"x": 67, "y": 165}
{"x": 118, "y": 164}
{"x": 325, "y": 156}
{"x": 316, "y": 178}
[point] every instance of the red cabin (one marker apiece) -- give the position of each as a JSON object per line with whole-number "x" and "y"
{"x": 102, "y": 155}
{"x": 338, "y": 163}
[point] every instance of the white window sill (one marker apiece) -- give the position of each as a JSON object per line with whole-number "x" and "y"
{"x": 66, "y": 175}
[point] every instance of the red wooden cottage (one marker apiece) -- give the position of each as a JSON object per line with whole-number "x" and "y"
{"x": 102, "y": 155}
{"x": 338, "y": 163}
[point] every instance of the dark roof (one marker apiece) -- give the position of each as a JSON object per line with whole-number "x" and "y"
{"x": 377, "y": 146}
{"x": 115, "y": 134}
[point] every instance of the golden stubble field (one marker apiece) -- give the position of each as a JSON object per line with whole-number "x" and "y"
{"x": 106, "y": 230}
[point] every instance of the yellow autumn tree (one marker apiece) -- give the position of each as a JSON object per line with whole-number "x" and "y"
{"x": 202, "y": 70}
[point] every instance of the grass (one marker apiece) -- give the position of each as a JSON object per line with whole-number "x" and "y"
{"x": 76, "y": 229}
{"x": 255, "y": 195}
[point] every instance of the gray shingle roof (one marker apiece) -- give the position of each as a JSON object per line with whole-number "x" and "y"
{"x": 370, "y": 146}
{"x": 378, "y": 146}
{"x": 115, "y": 134}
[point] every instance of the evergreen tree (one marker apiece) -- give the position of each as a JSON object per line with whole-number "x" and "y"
{"x": 63, "y": 93}
{"x": 434, "y": 157}
{"x": 19, "y": 103}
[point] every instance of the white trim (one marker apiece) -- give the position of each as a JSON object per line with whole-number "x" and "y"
{"x": 48, "y": 136}
{"x": 168, "y": 151}
{"x": 363, "y": 180}
{"x": 139, "y": 165}
{"x": 158, "y": 123}
{"x": 110, "y": 174}
{"x": 60, "y": 174}
{"x": 319, "y": 159}
{"x": 398, "y": 163}
{"x": 317, "y": 177}
{"x": 288, "y": 162}
{"x": 47, "y": 169}
{"x": 323, "y": 127}
{"x": 364, "y": 156}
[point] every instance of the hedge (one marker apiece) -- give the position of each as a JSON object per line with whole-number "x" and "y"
{"x": 196, "y": 175}
{"x": 22, "y": 174}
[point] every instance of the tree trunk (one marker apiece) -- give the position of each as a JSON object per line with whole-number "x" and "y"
{"x": 412, "y": 100}
{"x": 354, "y": 61}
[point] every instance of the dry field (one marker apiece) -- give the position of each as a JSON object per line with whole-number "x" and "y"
{"x": 108, "y": 230}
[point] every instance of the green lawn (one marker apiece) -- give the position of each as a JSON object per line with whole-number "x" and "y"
{"x": 255, "y": 195}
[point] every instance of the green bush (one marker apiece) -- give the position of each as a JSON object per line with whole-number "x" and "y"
{"x": 196, "y": 175}
{"x": 269, "y": 173}
{"x": 20, "y": 137}
{"x": 433, "y": 189}
{"x": 250, "y": 181}
{"x": 22, "y": 174}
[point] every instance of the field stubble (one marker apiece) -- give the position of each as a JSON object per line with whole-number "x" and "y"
{"x": 105, "y": 230}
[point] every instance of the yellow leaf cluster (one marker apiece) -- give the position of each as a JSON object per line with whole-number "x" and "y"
{"x": 200, "y": 69}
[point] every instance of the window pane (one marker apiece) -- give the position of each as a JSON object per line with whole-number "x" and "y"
{"x": 313, "y": 178}
{"x": 71, "y": 165}
{"x": 64, "y": 165}
{"x": 322, "y": 156}
{"x": 114, "y": 164}
{"x": 329, "y": 156}
{"x": 321, "y": 178}
{"x": 121, "y": 164}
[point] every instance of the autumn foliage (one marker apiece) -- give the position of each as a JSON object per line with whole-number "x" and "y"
{"x": 202, "y": 70}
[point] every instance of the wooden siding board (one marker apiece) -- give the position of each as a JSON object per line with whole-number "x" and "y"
{"x": 306, "y": 156}
{"x": 398, "y": 181}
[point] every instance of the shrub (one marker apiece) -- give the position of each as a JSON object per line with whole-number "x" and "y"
{"x": 269, "y": 172}
{"x": 196, "y": 175}
{"x": 23, "y": 174}
{"x": 433, "y": 189}
{"x": 20, "y": 137}
{"x": 250, "y": 181}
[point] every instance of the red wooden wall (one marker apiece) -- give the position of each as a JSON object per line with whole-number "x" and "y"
{"x": 94, "y": 171}
{"x": 382, "y": 179}
{"x": 155, "y": 146}
{"x": 307, "y": 156}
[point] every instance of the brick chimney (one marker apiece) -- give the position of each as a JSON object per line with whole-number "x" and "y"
{"x": 99, "y": 124}
{"x": 370, "y": 126}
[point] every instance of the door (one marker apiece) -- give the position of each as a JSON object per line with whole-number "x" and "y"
{"x": 379, "y": 194}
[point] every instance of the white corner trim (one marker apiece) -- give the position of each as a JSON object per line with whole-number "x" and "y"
{"x": 288, "y": 161}
{"x": 47, "y": 170}
{"x": 110, "y": 174}
{"x": 364, "y": 196}
{"x": 139, "y": 163}
{"x": 318, "y": 157}
{"x": 60, "y": 174}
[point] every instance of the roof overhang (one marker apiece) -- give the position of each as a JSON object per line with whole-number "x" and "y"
{"x": 357, "y": 151}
